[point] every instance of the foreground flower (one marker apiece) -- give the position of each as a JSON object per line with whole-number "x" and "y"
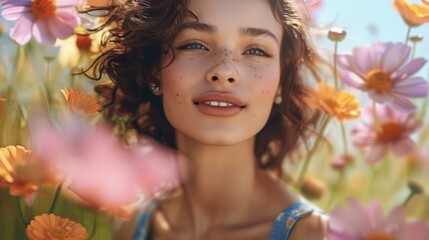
{"x": 46, "y": 20}
{"x": 80, "y": 102}
{"x": 103, "y": 173}
{"x": 385, "y": 72}
{"x": 394, "y": 133}
{"x": 426, "y": 2}
{"x": 357, "y": 222}
{"x": 51, "y": 227}
{"x": 414, "y": 14}
{"x": 342, "y": 105}
{"x": 23, "y": 173}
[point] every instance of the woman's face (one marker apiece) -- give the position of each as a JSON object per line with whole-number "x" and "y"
{"x": 220, "y": 88}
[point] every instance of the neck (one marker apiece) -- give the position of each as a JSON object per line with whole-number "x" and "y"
{"x": 220, "y": 180}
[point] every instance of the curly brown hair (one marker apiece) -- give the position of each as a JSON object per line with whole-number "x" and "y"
{"x": 140, "y": 31}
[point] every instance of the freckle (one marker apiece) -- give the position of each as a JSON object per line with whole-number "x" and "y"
{"x": 177, "y": 94}
{"x": 254, "y": 115}
{"x": 180, "y": 103}
{"x": 230, "y": 51}
{"x": 260, "y": 77}
{"x": 262, "y": 92}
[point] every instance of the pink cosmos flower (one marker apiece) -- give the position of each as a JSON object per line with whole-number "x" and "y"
{"x": 385, "y": 72}
{"x": 357, "y": 222}
{"x": 394, "y": 132}
{"x": 103, "y": 172}
{"x": 46, "y": 20}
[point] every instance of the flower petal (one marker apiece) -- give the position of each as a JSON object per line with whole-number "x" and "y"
{"x": 409, "y": 69}
{"x": 67, "y": 3}
{"x": 60, "y": 27}
{"x": 11, "y": 11}
{"x": 21, "y": 30}
{"x": 413, "y": 87}
{"x": 394, "y": 57}
{"x": 415, "y": 231}
{"x": 42, "y": 33}
{"x": 402, "y": 104}
{"x": 376, "y": 153}
{"x": 351, "y": 79}
{"x": 379, "y": 97}
{"x": 403, "y": 147}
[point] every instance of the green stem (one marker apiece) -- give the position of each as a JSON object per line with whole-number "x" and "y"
{"x": 21, "y": 214}
{"x": 408, "y": 35}
{"x": 55, "y": 200}
{"x": 374, "y": 115}
{"x": 410, "y": 196}
{"x": 336, "y": 188}
{"x": 307, "y": 160}
{"x": 344, "y": 137}
{"x": 335, "y": 65}
{"x": 94, "y": 225}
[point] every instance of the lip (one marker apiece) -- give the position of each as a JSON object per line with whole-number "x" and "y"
{"x": 236, "y": 104}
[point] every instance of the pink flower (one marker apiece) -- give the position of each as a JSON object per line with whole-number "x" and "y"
{"x": 103, "y": 172}
{"x": 357, "y": 222}
{"x": 385, "y": 72}
{"x": 394, "y": 133}
{"x": 46, "y": 20}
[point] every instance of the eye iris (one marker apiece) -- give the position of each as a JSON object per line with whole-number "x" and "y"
{"x": 195, "y": 46}
{"x": 256, "y": 52}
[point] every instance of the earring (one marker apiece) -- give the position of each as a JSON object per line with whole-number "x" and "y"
{"x": 155, "y": 90}
{"x": 278, "y": 99}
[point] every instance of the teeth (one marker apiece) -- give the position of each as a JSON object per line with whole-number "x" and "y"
{"x": 218, "y": 104}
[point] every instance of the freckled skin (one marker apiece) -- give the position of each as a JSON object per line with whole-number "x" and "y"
{"x": 236, "y": 71}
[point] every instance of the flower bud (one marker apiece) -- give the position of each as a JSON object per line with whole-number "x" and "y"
{"x": 341, "y": 162}
{"x": 336, "y": 34}
{"x": 313, "y": 188}
{"x": 416, "y": 38}
{"x": 415, "y": 187}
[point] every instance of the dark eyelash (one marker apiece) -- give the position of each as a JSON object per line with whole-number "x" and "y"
{"x": 187, "y": 45}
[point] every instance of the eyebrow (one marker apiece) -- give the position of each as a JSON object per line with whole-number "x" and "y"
{"x": 256, "y": 32}
{"x": 250, "y": 31}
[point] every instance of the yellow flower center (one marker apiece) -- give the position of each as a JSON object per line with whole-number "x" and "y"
{"x": 379, "y": 235}
{"x": 43, "y": 8}
{"x": 379, "y": 81}
{"x": 390, "y": 132}
{"x": 83, "y": 42}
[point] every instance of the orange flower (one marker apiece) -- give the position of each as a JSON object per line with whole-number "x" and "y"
{"x": 80, "y": 102}
{"x": 413, "y": 14}
{"x": 23, "y": 173}
{"x": 342, "y": 105}
{"x": 51, "y": 227}
{"x": 426, "y": 2}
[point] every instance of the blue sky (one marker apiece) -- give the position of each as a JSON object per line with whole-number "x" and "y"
{"x": 358, "y": 16}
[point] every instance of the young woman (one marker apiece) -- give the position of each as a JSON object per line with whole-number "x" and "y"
{"x": 219, "y": 81}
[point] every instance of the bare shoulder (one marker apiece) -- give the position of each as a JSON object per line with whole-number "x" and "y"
{"x": 312, "y": 227}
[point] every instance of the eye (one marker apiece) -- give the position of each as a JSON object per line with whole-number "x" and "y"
{"x": 257, "y": 52}
{"x": 193, "y": 46}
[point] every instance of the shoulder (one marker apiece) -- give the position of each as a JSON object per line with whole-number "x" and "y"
{"x": 311, "y": 227}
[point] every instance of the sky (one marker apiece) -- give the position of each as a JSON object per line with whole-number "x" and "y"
{"x": 361, "y": 17}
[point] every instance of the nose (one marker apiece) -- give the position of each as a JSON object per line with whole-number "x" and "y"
{"x": 224, "y": 71}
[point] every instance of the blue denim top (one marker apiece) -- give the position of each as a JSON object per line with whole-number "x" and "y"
{"x": 281, "y": 230}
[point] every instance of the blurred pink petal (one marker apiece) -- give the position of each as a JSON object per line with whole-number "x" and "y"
{"x": 403, "y": 147}
{"x": 411, "y": 87}
{"x": 396, "y": 128}
{"x": 409, "y": 69}
{"x": 403, "y": 104}
{"x": 21, "y": 31}
{"x": 11, "y": 12}
{"x": 356, "y": 222}
{"x": 395, "y": 55}
{"x": 42, "y": 33}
